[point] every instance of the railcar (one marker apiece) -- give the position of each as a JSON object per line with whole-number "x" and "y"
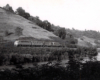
{"x": 36, "y": 43}
{"x": 22, "y": 43}
{"x": 56, "y": 44}
{"x": 48, "y": 44}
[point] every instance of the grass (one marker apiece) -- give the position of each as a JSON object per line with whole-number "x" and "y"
{"x": 86, "y": 42}
{"x": 9, "y": 21}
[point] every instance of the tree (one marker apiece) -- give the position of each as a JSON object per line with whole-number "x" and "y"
{"x": 20, "y": 11}
{"x": 9, "y": 8}
{"x": 37, "y": 20}
{"x": 26, "y": 15}
{"x": 31, "y": 18}
{"x": 61, "y": 33}
{"x": 46, "y": 25}
{"x": 18, "y": 31}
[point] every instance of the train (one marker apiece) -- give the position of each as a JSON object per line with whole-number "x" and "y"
{"x": 36, "y": 43}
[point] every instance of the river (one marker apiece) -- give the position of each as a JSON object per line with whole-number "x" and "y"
{"x": 98, "y": 56}
{"x": 94, "y": 58}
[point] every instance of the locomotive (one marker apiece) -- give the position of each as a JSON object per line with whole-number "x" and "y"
{"x": 36, "y": 43}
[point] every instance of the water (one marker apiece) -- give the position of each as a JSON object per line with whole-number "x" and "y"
{"x": 94, "y": 58}
{"x": 98, "y": 56}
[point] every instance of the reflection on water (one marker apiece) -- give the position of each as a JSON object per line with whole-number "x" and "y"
{"x": 85, "y": 59}
{"x": 91, "y": 58}
{"x": 98, "y": 57}
{"x": 94, "y": 58}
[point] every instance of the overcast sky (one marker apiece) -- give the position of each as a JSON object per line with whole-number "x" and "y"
{"x": 78, "y": 14}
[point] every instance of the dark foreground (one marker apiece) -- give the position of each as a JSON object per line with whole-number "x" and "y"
{"x": 74, "y": 71}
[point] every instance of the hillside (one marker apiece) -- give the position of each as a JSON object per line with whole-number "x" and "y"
{"x": 10, "y": 21}
{"x": 89, "y": 33}
{"x": 30, "y": 30}
{"x": 86, "y": 42}
{"x": 86, "y": 38}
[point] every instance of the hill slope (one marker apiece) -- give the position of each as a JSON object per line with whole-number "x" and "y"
{"x": 87, "y": 42}
{"x": 9, "y": 22}
{"x": 86, "y": 38}
{"x": 87, "y": 33}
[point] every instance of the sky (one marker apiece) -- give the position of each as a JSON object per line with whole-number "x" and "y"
{"x": 77, "y": 14}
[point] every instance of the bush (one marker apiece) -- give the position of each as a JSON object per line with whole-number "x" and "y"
{"x": 20, "y": 11}
{"x": 4, "y": 59}
{"x": 16, "y": 59}
{"x": 18, "y": 31}
{"x": 61, "y": 33}
{"x": 30, "y": 54}
{"x": 88, "y": 71}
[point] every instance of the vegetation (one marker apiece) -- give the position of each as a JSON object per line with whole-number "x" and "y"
{"x": 61, "y": 33}
{"x": 22, "y": 12}
{"x": 44, "y": 24}
{"x": 21, "y": 55}
{"x": 8, "y": 8}
{"x": 74, "y": 70}
{"x": 51, "y": 27}
{"x": 88, "y": 71}
{"x": 70, "y": 41}
{"x": 89, "y": 33}
{"x": 18, "y": 31}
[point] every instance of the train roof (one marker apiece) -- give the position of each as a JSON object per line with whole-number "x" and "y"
{"x": 46, "y": 40}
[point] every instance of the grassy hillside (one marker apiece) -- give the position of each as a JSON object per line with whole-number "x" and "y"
{"x": 86, "y": 38}
{"x": 9, "y": 22}
{"x": 87, "y": 33}
{"x": 86, "y": 42}
{"x": 30, "y": 30}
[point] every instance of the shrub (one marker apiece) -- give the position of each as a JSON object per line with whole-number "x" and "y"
{"x": 4, "y": 59}
{"x": 18, "y": 31}
{"x": 16, "y": 59}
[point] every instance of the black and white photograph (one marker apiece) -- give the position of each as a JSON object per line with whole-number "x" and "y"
{"x": 49, "y": 39}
